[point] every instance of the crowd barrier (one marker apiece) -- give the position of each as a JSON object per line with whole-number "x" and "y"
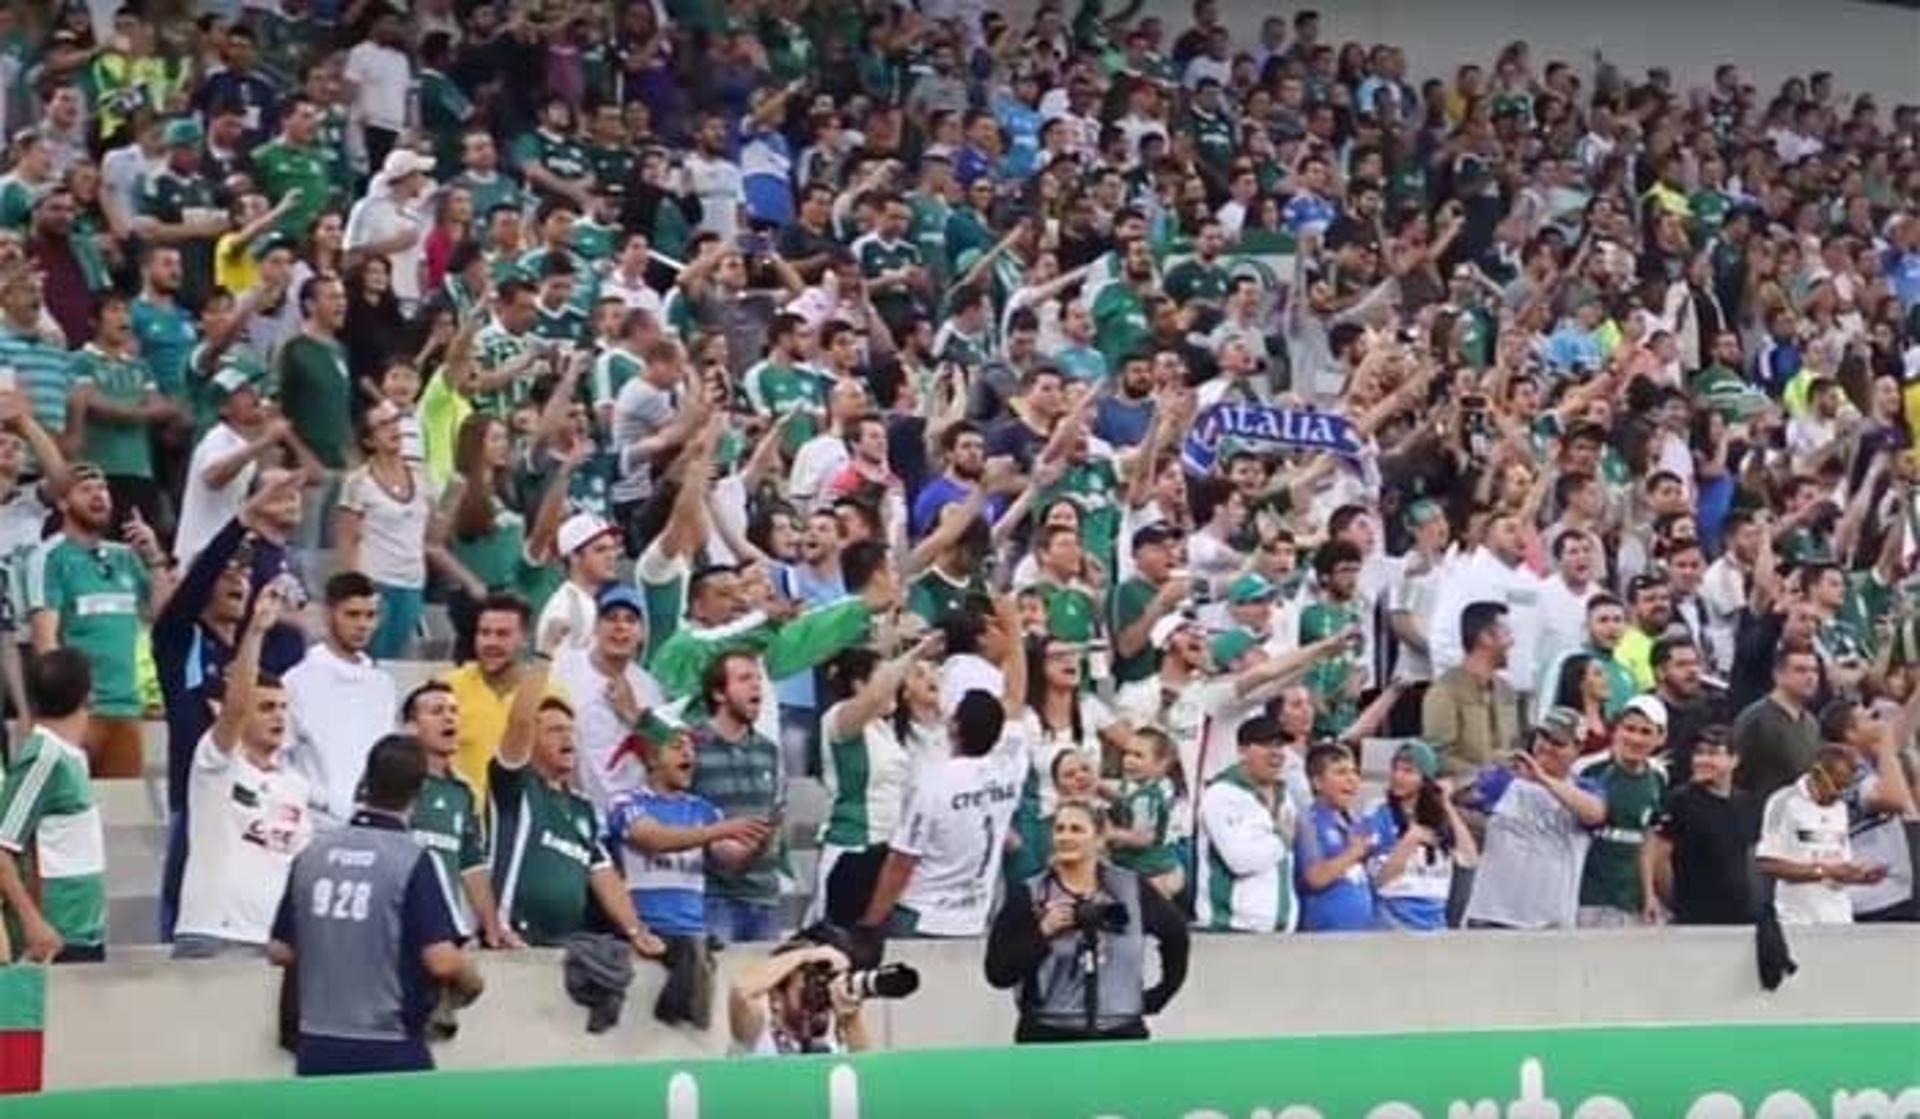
{"x": 143, "y": 1019}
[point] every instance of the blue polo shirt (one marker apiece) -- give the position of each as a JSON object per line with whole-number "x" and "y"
{"x": 1347, "y": 904}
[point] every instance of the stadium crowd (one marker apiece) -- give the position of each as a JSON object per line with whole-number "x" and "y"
{"x": 982, "y": 417}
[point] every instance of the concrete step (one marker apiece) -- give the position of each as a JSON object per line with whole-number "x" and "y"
{"x": 131, "y": 801}
{"x": 133, "y": 920}
{"x": 135, "y": 857}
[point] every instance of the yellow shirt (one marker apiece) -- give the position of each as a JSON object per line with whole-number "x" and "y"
{"x": 233, "y": 265}
{"x": 483, "y": 723}
{"x": 1634, "y": 652}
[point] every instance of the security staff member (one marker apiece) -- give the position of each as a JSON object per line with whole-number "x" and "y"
{"x": 1073, "y": 939}
{"x": 369, "y": 923}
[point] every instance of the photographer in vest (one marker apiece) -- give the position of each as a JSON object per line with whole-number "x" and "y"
{"x": 368, "y": 923}
{"x": 1073, "y": 938}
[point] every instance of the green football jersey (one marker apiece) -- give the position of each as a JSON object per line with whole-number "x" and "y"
{"x": 1611, "y": 877}
{"x": 445, "y": 822}
{"x": 545, "y": 848}
{"x": 47, "y": 813}
{"x": 97, "y": 591}
{"x": 121, "y": 448}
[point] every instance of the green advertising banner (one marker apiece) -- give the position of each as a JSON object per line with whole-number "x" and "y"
{"x": 1736, "y": 1072}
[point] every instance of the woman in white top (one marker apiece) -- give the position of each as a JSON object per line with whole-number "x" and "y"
{"x": 384, "y": 528}
{"x": 1070, "y": 719}
{"x": 874, "y": 739}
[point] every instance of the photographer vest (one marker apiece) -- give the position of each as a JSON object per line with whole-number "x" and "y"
{"x": 1057, "y": 994}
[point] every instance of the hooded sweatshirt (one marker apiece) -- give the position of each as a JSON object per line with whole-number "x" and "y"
{"x": 336, "y": 710}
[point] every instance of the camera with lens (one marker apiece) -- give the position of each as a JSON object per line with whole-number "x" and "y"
{"x": 1093, "y": 916}
{"x": 868, "y": 978}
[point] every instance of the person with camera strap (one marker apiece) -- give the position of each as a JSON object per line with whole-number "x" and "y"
{"x": 1073, "y": 939}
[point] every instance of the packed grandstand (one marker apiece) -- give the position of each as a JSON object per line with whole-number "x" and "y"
{"x": 858, "y": 470}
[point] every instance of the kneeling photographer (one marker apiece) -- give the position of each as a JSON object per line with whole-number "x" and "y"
{"x": 1074, "y": 939}
{"x": 806, "y": 996}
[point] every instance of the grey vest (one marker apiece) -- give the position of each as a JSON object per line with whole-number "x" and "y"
{"x": 1056, "y": 994}
{"x": 348, "y": 889}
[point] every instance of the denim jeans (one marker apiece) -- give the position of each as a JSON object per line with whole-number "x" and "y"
{"x": 733, "y": 920}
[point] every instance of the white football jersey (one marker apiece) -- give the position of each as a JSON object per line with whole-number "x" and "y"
{"x": 956, "y": 826}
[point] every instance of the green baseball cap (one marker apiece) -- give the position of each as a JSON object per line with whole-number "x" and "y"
{"x": 1425, "y": 758}
{"x": 182, "y": 133}
{"x": 1423, "y": 511}
{"x": 1249, "y": 588}
{"x": 236, "y": 372}
{"x": 1230, "y": 646}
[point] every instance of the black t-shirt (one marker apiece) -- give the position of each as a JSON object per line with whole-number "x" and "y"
{"x": 1713, "y": 838}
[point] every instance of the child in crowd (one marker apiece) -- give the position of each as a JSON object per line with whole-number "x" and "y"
{"x": 1332, "y": 845}
{"x": 400, "y": 387}
{"x": 664, "y": 834}
{"x": 1150, "y": 785}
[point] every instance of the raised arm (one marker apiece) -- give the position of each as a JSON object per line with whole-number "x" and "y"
{"x": 872, "y": 697}
{"x": 516, "y": 744}
{"x": 243, "y": 672}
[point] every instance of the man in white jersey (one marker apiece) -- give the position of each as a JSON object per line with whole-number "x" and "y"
{"x": 590, "y": 547}
{"x": 247, "y": 808}
{"x": 939, "y": 876}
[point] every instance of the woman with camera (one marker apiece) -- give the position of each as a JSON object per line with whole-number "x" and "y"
{"x": 797, "y": 1000}
{"x": 1073, "y": 939}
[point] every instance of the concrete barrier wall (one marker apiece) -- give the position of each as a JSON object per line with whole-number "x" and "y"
{"x": 1870, "y": 48}
{"x": 145, "y": 1019}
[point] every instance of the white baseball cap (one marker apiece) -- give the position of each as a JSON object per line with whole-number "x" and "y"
{"x": 1648, "y": 707}
{"x": 402, "y": 162}
{"x": 582, "y": 529}
{"x": 1168, "y": 625}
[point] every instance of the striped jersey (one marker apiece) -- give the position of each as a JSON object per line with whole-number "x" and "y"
{"x": 494, "y": 347}
{"x": 669, "y": 890}
{"x": 741, "y": 779}
{"x": 40, "y": 370}
{"x": 47, "y": 811}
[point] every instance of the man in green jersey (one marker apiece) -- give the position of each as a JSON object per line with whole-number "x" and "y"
{"x": 1153, "y": 591}
{"x": 783, "y": 382}
{"x": 549, "y": 868}
{"x": 446, "y": 820}
{"x": 554, "y": 163}
{"x": 177, "y": 206}
{"x": 1633, "y": 791}
{"x": 1201, "y": 278}
{"x": 86, "y": 591}
{"x": 506, "y": 353}
{"x": 296, "y": 166}
{"x": 1120, "y": 323}
{"x": 481, "y": 177}
{"x": 47, "y": 816}
{"x": 116, "y": 397}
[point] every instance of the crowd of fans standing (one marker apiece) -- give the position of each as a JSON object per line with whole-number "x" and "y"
{"x": 777, "y": 388}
